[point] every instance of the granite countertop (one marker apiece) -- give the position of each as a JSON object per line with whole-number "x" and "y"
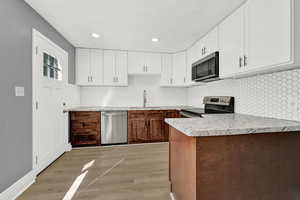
{"x": 231, "y": 124}
{"x": 108, "y": 108}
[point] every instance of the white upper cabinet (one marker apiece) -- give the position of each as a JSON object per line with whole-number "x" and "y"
{"x": 179, "y": 69}
{"x": 210, "y": 42}
{"x": 136, "y": 63}
{"x": 259, "y": 38}
{"x": 122, "y": 67}
{"x": 153, "y": 63}
{"x": 83, "y": 71}
{"x": 144, "y": 63}
{"x": 174, "y": 67}
{"x": 89, "y": 67}
{"x": 231, "y": 33}
{"x": 115, "y": 68}
{"x": 96, "y": 67}
{"x": 268, "y": 36}
{"x": 166, "y": 69}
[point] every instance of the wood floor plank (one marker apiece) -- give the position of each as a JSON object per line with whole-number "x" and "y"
{"x": 134, "y": 172}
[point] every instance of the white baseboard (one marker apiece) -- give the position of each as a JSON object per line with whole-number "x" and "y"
{"x": 49, "y": 159}
{"x": 15, "y": 190}
{"x": 172, "y": 196}
{"x": 68, "y": 147}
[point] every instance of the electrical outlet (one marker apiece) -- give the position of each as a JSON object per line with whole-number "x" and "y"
{"x": 19, "y": 91}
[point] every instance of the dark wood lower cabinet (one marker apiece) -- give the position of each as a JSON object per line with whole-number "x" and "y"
{"x": 143, "y": 127}
{"x": 240, "y": 167}
{"x": 137, "y": 127}
{"x": 156, "y": 126}
{"x": 149, "y": 126}
{"x": 85, "y": 128}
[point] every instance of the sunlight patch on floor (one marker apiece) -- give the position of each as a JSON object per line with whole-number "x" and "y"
{"x": 73, "y": 189}
{"x": 88, "y": 165}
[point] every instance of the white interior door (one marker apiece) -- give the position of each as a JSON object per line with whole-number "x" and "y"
{"x": 50, "y": 73}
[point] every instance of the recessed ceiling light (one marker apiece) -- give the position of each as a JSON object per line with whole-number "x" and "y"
{"x": 155, "y": 39}
{"x": 95, "y": 35}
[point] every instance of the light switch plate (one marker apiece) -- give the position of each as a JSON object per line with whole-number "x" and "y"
{"x": 19, "y": 91}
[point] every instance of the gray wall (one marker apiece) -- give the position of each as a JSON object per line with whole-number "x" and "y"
{"x": 16, "y": 21}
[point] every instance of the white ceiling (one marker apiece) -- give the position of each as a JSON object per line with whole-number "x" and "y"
{"x": 131, "y": 24}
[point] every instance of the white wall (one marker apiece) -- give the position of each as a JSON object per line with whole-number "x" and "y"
{"x": 133, "y": 94}
{"x": 273, "y": 95}
{"x": 72, "y": 96}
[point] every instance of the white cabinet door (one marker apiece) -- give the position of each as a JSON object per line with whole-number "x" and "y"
{"x": 96, "y": 67}
{"x": 231, "y": 43}
{"x": 179, "y": 69}
{"x": 121, "y": 68}
{"x": 83, "y": 62}
{"x": 211, "y": 42}
{"x": 136, "y": 63}
{"x": 268, "y": 33}
{"x": 153, "y": 63}
{"x": 189, "y": 56}
{"x": 109, "y": 68}
{"x": 197, "y": 51}
{"x": 167, "y": 70}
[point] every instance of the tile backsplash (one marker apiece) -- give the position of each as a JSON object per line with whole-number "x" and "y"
{"x": 272, "y": 95}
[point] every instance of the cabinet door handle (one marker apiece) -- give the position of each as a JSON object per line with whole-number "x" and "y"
{"x": 117, "y": 79}
{"x": 240, "y": 61}
{"x": 91, "y": 79}
{"x": 245, "y": 60}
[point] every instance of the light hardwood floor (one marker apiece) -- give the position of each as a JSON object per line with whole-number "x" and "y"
{"x": 136, "y": 172}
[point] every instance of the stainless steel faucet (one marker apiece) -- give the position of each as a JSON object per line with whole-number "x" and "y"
{"x": 145, "y": 98}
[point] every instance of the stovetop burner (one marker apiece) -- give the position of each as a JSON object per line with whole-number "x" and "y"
{"x": 212, "y": 105}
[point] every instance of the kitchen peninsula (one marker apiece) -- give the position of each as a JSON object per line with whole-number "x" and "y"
{"x": 234, "y": 157}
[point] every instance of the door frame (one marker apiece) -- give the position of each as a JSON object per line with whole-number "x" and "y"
{"x": 36, "y": 34}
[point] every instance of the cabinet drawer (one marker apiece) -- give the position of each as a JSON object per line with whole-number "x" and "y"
{"x": 85, "y": 116}
{"x": 136, "y": 114}
{"x": 85, "y": 128}
{"x": 155, "y": 114}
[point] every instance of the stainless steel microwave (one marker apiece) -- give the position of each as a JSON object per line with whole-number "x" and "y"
{"x": 206, "y": 69}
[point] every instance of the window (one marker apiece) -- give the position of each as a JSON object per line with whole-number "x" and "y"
{"x": 52, "y": 68}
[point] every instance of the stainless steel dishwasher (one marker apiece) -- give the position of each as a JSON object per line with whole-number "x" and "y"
{"x": 114, "y": 127}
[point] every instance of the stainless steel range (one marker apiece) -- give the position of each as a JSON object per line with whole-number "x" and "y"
{"x": 212, "y": 105}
